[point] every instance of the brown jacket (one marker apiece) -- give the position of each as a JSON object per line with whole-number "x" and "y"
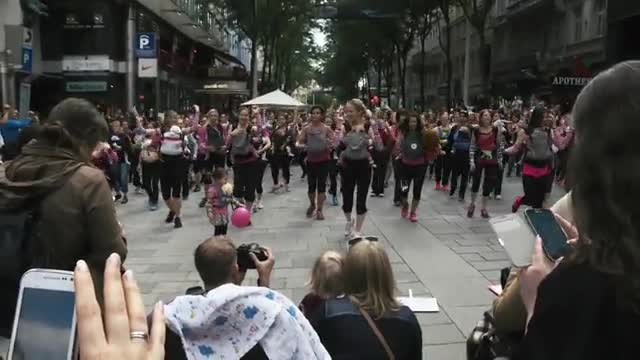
{"x": 78, "y": 217}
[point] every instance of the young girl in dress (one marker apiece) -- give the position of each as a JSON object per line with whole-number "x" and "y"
{"x": 219, "y": 197}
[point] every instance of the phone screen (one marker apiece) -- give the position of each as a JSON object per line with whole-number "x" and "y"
{"x": 45, "y": 325}
{"x": 554, "y": 240}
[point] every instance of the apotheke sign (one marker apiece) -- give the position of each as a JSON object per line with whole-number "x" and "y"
{"x": 570, "y": 81}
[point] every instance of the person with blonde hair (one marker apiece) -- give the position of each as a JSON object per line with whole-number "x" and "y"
{"x": 327, "y": 281}
{"x": 355, "y": 165}
{"x": 368, "y": 322}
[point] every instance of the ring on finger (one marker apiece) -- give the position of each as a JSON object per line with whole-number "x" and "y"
{"x": 142, "y": 335}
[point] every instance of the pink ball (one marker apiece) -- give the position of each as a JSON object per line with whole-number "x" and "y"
{"x": 241, "y": 217}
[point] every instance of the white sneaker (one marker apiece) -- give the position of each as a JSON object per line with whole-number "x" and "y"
{"x": 260, "y": 205}
{"x": 498, "y": 197}
{"x": 348, "y": 229}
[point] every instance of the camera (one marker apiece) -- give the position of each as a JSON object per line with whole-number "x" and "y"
{"x": 244, "y": 260}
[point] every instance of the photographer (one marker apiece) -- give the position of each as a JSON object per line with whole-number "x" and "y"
{"x": 247, "y": 323}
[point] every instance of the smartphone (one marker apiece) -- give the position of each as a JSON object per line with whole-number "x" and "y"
{"x": 554, "y": 240}
{"x": 45, "y": 323}
{"x": 516, "y": 237}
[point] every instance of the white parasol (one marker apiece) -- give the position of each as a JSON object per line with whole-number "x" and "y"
{"x": 275, "y": 98}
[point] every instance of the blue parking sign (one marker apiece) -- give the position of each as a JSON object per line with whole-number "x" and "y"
{"x": 27, "y": 59}
{"x": 145, "y": 45}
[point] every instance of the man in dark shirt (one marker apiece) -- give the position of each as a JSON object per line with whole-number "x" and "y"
{"x": 121, "y": 144}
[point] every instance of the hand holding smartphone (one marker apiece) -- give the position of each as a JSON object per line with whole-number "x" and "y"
{"x": 554, "y": 239}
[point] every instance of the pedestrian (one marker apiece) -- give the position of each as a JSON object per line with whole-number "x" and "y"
{"x": 245, "y": 161}
{"x": 460, "y": 141}
{"x": 499, "y": 124}
{"x": 77, "y": 217}
{"x": 316, "y": 140}
{"x": 411, "y": 151}
{"x": 219, "y": 198}
{"x": 443, "y": 162}
{"x": 334, "y": 169}
{"x": 563, "y": 138}
{"x": 355, "y": 166}
{"x": 121, "y": 144}
{"x": 192, "y": 146}
{"x": 151, "y": 166}
{"x": 327, "y": 282}
{"x": 174, "y": 154}
{"x": 381, "y": 156}
{"x": 281, "y": 154}
{"x": 485, "y": 157}
{"x": 261, "y": 144}
{"x": 537, "y": 168}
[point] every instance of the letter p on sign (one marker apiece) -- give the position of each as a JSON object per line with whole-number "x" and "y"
{"x": 144, "y": 42}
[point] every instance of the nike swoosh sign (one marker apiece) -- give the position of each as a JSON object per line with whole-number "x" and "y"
{"x": 145, "y": 68}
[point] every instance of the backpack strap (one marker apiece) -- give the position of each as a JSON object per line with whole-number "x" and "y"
{"x": 378, "y": 334}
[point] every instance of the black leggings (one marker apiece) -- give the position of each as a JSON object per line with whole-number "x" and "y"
{"x": 280, "y": 162}
{"x": 220, "y": 230}
{"x": 262, "y": 166}
{"x": 151, "y": 179}
{"x": 317, "y": 173}
{"x": 333, "y": 176}
{"x": 356, "y": 176}
{"x": 490, "y": 177}
{"x": 535, "y": 189}
{"x": 460, "y": 169}
{"x": 381, "y": 159}
{"x": 173, "y": 169}
{"x": 415, "y": 174}
{"x": 397, "y": 172}
{"x": 443, "y": 169}
{"x": 245, "y": 180}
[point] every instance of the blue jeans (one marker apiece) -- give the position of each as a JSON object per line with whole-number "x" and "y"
{"x": 122, "y": 178}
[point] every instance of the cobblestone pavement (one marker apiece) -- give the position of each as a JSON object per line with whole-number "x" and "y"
{"x": 445, "y": 255}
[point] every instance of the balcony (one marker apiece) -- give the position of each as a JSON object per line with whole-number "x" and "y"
{"x": 192, "y": 18}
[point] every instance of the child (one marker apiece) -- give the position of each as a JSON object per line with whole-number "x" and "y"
{"x": 219, "y": 197}
{"x": 326, "y": 282}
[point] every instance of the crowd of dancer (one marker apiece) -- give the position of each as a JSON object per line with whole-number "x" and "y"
{"x": 348, "y": 150}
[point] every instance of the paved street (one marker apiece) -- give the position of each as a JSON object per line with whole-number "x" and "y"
{"x": 444, "y": 255}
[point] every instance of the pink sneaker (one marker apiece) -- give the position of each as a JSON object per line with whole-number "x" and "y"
{"x": 471, "y": 210}
{"x": 413, "y": 217}
{"x": 484, "y": 213}
{"x": 438, "y": 187}
{"x": 404, "y": 212}
{"x": 445, "y": 188}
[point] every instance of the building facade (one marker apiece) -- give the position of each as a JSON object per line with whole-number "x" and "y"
{"x": 550, "y": 48}
{"x": 154, "y": 54}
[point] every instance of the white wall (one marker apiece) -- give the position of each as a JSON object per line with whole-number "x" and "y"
{"x": 10, "y": 14}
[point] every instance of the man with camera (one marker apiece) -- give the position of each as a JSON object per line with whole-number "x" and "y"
{"x": 239, "y": 322}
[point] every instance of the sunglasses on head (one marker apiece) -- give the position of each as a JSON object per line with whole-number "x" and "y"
{"x": 358, "y": 239}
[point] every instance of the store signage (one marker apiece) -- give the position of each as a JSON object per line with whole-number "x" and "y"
{"x": 570, "y": 81}
{"x": 86, "y": 86}
{"x": 226, "y": 85}
{"x": 27, "y": 50}
{"x": 145, "y": 45}
{"x": 147, "y": 68}
{"x": 86, "y": 63}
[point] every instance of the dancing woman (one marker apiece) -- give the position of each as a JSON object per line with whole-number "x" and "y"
{"x": 356, "y": 166}
{"x": 414, "y": 148}
{"x": 281, "y": 154}
{"x": 537, "y": 163}
{"x": 245, "y": 161}
{"x": 485, "y": 156}
{"x": 318, "y": 140}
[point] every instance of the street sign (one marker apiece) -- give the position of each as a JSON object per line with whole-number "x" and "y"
{"x": 27, "y": 38}
{"x": 145, "y": 45}
{"x": 27, "y": 60}
{"x": 147, "y": 68}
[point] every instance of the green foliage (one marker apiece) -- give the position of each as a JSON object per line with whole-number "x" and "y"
{"x": 282, "y": 28}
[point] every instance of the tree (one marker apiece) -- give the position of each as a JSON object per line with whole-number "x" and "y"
{"x": 444, "y": 7}
{"x": 283, "y": 29}
{"x": 427, "y": 21}
{"x": 477, "y": 12}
